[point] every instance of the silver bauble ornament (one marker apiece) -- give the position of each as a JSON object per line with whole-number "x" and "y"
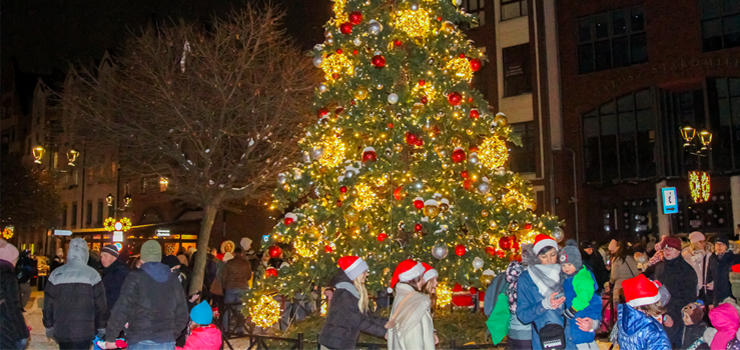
{"x": 306, "y": 157}
{"x": 330, "y": 41}
{"x": 484, "y": 187}
{"x": 558, "y": 234}
{"x": 477, "y": 263}
{"x": 317, "y": 152}
{"x": 318, "y": 60}
{"x": 392, "y": 98}
{"x": 473, "y": 158}
{"x": 350, "y": 173}
{"x": 357, "y": 41}
{"x": 439, "y": 251}
{"x": 282, "y": 178}
{"x": 414, "y": 7}
{"x": 374, "y": 27}
{"x": 323, "y": 87}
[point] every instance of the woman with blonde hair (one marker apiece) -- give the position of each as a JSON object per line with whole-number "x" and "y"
{"x": 430, "y": 284}
{"x": 348, "y": 312}
{"x": 698, "y": 256}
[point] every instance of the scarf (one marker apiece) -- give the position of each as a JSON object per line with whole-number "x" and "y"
{"x": 658, "y": 257}
{"x": 512, "y": 276}
{"x": 408, "y": 314}
{"x": 547, "y": 278}
{"x": 350, "y": 288}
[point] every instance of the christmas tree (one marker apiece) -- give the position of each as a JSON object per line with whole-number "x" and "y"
{"x": 405, "y": 160}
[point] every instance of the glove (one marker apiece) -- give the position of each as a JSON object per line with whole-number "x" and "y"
{"x": 101, "y": 333}
{"x": 50, "y": 333}
{"x": 570, "y": 313}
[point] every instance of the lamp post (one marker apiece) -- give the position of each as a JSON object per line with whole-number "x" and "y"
{"x": 113, "y": 202}
{"x": 697, "y": 146}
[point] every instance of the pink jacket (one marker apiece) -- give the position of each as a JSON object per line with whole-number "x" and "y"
{"x": 203, "y": 338}
{"x": 725, "y": 319}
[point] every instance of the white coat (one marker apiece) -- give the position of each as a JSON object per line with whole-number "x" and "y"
{"x": 414, "y": 328}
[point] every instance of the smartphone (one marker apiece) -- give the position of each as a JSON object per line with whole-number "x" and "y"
{"x": 559, "y": 295}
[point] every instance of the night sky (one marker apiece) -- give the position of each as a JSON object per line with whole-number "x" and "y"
{"x": 44, "y": 36}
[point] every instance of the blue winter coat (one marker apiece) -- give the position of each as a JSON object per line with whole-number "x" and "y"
{"x": 592, "y": 311}
{"x": 638, "y": 331}
{"x": 529, "y": 309}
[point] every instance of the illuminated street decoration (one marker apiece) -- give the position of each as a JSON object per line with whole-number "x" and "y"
{"x": 8, "y": 232}
{"x": 111, "y": 224}
{"x": 699, "y": 185}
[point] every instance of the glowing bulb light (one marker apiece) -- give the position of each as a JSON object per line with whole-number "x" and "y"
{"x": 333, "y": 152}
{"x": 414, "y": 23}
{"x": 444, "y": 295}
{"x": 493, "y": 153}
{"x": 365, "y": 197}
{"x": 699, "y": 185}
{"x": 266, "y": 312}
{"x": 304, "y": 249}
{"x": 461, "y": 67}
{"x": 337, "y": 64}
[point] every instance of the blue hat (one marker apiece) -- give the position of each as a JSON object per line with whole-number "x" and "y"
{"x": 202, "y": 313}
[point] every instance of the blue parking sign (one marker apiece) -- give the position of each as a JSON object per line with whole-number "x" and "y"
{"x": 670, "y": 200}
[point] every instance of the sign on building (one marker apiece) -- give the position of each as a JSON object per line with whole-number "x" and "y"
{"x": 670, "y": 200}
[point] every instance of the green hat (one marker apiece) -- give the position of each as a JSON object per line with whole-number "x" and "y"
{"x": 151, "y": 251}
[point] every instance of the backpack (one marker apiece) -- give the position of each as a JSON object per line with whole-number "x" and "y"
{"x": 23, "y": 270}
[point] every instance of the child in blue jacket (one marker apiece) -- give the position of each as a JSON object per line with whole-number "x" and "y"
{"x": 581, "y": 300}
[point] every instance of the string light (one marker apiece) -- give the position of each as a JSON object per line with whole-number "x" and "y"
{"x": 333, "y": 151}
{"x": 699, "y": 185}
{"x": 444, "y": 295}
{"x": 8, "y": 232}
{"x": 338, "y": 9}
{"x": 414, "y": 23}
{"x": 304, "y": 249}
{"x": 364, "y": 197}
{"x": 337, "y": 64}
{"x": 266, "y": 312}
{"x": 493, "y": 152}
{"x": 461, "y": 67}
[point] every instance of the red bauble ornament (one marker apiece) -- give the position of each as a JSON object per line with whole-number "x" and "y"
{"x": 343, "y": 189}
{"x": 475, "y": 64}
{"x": 490, "y": 251}
{"x": 288, "y": 221}
{"x": 460, "y": 250}
{"x": 517, "y": 257}
{"x": 339, "y": 203}
{"x": 501, "y": 253}
{"x": 397, "y": 43}
{"x": 422, "y": 82}
{"x": 411, "y": 138}
{"x": 339, "y": 51}
{"x": 467, "y": 184}
{"x": 462, "y": 55}
{"x": 424, "y": 100}
{"x": 369, "y": 156}
{"x": 454, "y": 98}
{"x": 439, "y": 18}
{"x": 398, "y": 193}
{"x": 419, "y": 142}
{"x": 346, "y": 28}
{"x": 528, "y": 226}
{"x": 464, "y": 174}
{"x": 474, "y": 114}
{"x": 378, "y": 61}
{"x": 355, "y": 17}
{"x": 470, "y": 99}
{"x": 515, "y": 246}
{"x": 458, "y": 155}
{"x": 505, "y": 243}
{"x": 419, "y": 204}
{"x": 472, "y": 149}
{"x": 271, "y": 272}
{"x": 390, "y": 125}
{"x": 417, "y": 227}
{"x": 322, "y": 112}
{"x": 339, "y": 109}
{"x": 354, "y": 52}
{"x": 335, "y": 76}
{"x": 274, "y": 251}
{"x": 382, "y": 237}
{"x": 328, "y": 249}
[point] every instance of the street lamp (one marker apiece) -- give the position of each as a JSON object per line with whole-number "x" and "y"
{"x": 698, "y": 180}
{"x": 109, "y": 199}
{"x": 38, "y": 153}
{"x": 72, "y": 155}
{"x": 127, "y": 200}
{"x": 688, "y": 134}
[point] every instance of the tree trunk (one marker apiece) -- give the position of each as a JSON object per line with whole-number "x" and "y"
{"x": 206, "y": 225}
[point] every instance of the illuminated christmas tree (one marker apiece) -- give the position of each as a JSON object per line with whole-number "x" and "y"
{"x": 405, "y": 159}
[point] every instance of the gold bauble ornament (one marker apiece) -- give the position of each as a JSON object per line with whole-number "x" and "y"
{"x": 448, "y": 27}
{"x": 485, "y": 280}
{"x": 417, "y": 108}
{"x": 361, "y": 93}
{"x": 398, "y": 147}
{"x": 351, "y": 214}
{"x": 493, "y": 224}
{"x": 444, "y": 206}
{"x": 500, "y": 119}
{"x": 431, "y": 211}
{"x": 485, "y": 213}
{"x": 514, "y": 226}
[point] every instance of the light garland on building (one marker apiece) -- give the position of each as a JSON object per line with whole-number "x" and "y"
{"x": 8, "y": 232}
{"x": 444, "y": 295}
{"x": 266, "y": 312}
{"x": 699, "y": 185}
{"x": 493, "y": 152}
{"x": 414, "y": 23}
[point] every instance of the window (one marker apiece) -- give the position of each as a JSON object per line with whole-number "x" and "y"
{"x": 517, "y": 79}
{"x": 475, "y": 7}
{"x": 64, "y": 215}
{"x": 99, "y": 220}
{"x": 611, "y": 40}
{"x": 724, "y": 118}
{"x": 163, "y": 184}
{"x": 88, "y": 214}
{"x": 619, "y": 139}
{"x": 74, "y": 214}
{"x": 513, "y": 9}
{"x": 524, "y": 159}
{"x": 720, "y": 24}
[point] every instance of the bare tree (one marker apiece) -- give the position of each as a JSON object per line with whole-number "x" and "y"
{"x": 216, "y": 109}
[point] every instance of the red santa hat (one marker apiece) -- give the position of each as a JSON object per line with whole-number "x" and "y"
{"x": 543, "y": 241}
{"x": 406, "y": 271}
{"x": 640, "y": 291}
{"x": 353, "y": 266}
{"x": 429, "y": 272}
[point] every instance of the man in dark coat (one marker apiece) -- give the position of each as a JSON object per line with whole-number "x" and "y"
{"x": 114, "y": 273}
{"x": 720, "y": 265}
{"x": 152, "y": 302}
{"x": 595, "y": 262}
{"x": 74, "y": 301}
{"x": 13, "y": 331}
{"x": 679, "y": 278}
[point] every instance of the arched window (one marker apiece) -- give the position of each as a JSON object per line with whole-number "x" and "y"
{"x": 619, "y": 139}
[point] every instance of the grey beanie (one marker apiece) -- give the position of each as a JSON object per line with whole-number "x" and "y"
{"x": 571, "y": 255}
{"x": 151, "y": 251}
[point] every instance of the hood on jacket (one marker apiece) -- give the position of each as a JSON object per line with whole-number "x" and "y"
{"x": 208, "y": 337}
{"x": 78, "y": 251}
{"x": 340, "y": 277}
{"x": 158, "y": 271}
{"x": 631, "y": 320}
{"x": 725, "y": 320}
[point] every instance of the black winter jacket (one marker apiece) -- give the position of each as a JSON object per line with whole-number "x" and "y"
{"x": 680, "y": 279}
{"x": 720, "y": 268}
{"x": 74, "y": 298}
{"x": 12, "y": 324}
{"x": 113, "y": 277}
{"x": 595, "y": 263}
{"x": 344, "y": 320}
{"x": 153, "y": 304}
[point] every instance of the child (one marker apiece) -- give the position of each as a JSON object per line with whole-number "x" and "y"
{"x": 203, "y": 334}
{"x": 725, "y": 319}
{"x": 581, "y": 301}
{"x": 638, "y": 327}
{"x": 692, "y": 315}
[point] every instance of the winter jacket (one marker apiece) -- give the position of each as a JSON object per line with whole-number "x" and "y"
{"x": 344, "y": 320}
{"x": 113, "y": 277}
{"x": 74, "y": 298}
{"x": 236, "y": 273}
{"x": 679, "y": 278}
{"x": 529, "y": 309}
{"x": 692, "y": 333}
{"x": 12, "y": 324}
{"x": 720, "y": 268}
{"x": 595, "y": 263}
{"x": 579, "y": 294}
{"x": 203, "y": 338}
{"x": 699, "y": 260}
{"x": 622, "y": 269}
{"x": 638, "y": 331}
{"x": 153, "y": 304}
{"x": 414, "y": 328}
{"x": 725, "y": 320}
